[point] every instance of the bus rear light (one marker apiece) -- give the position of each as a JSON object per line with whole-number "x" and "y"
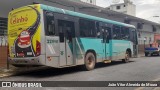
{"x": 38, "y": 48}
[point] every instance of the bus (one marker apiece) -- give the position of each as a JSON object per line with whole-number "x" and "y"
{"x": 49, "y": 36}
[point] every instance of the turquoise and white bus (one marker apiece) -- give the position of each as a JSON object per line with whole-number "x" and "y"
{"x": 45, "y": 35}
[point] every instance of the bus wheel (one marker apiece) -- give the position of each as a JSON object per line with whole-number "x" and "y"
{"x": 159, "y": 53}
{"x": 127, "y": 56}
{"x": 146, "y": 54}
{"x": 90, "y": 61}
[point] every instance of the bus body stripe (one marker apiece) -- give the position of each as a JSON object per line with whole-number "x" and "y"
{"x": 80, "y": 48}
{"x": 50, "y": 49}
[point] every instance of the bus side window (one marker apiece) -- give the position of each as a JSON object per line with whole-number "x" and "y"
{"x": 98, "y": 35}
{"x": 116, "y": 32}
{"x": 125, "y": 33}
{"x": 50, "y": 24}
{"x": 133, "y": 35}
{"x": 87, "y": 28}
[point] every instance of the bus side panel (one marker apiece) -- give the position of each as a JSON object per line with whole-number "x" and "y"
{"x": 79, "y": 52}
{"x": 70, "y": 53}
{"x": 42, "y": 40}
{"x": 106, "y": 53}
{"x": 85, "y": 44}
{"x": 52, "y": 51}
{"x": 119, "y": 48}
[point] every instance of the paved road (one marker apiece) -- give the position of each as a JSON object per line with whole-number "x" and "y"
{"x": 138, "y": 69}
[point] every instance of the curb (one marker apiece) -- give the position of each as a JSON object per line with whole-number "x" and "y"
{"x": 19, "y": 71}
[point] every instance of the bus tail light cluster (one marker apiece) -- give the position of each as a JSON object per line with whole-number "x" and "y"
{"x": 38, "y": 48}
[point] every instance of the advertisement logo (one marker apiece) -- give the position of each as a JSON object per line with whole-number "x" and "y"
{"x": 17, "y": 20}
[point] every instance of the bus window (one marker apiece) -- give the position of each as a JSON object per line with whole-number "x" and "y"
{"x": 133, "y": 35}
{"x": 98, "y": 35}
{"x": 50, "y": 24}
{"x": 116, "y": 32}
{"x": 66, "y": 30}
{"x": 106, "y": 33}
{"x": 125, "y": 33}
{"x": 87, "y": 28}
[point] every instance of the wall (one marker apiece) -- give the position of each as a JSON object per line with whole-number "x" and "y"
{"x": 3, "y": 51}
{"x": 3, "y": 56}
{"x": 20, "y": 3}
{"x": 3, "y": 41}
{"x": 122, "y": 8}
{"x": 131, "y": 9}
{"x": 126, "y": 8}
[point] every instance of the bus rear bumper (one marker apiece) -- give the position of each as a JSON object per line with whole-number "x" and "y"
{"x": 28, "y": 60}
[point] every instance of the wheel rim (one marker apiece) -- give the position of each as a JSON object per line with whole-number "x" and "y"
{"x": 127, "y": 57}
{"x": 90, "y": 61}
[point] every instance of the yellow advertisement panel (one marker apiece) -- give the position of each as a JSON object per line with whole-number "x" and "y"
{"x": 24, "y": 29}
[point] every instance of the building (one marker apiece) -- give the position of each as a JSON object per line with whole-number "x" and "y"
{"x": 3, "y": 26}
{"x": 127, "y": 8}
{"x": 3, "y": 31}
{"x": 89, "y": 1}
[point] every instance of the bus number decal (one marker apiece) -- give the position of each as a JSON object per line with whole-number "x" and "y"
{"x": 52, "y": 41}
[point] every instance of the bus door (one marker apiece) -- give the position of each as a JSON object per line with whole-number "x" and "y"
{"x": 106, "y": 36}
{"x": 133, "y": 34}
{"x": 66, "y": 30}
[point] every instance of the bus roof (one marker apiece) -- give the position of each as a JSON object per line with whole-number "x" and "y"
{"x": 72, "y": 13}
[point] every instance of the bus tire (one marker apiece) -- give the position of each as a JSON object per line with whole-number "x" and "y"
{"x": 90, "y": 61}
{"x": 146, "y": 54}
{"x": 127, "y": 57}
{"x": 158, "y": 53}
